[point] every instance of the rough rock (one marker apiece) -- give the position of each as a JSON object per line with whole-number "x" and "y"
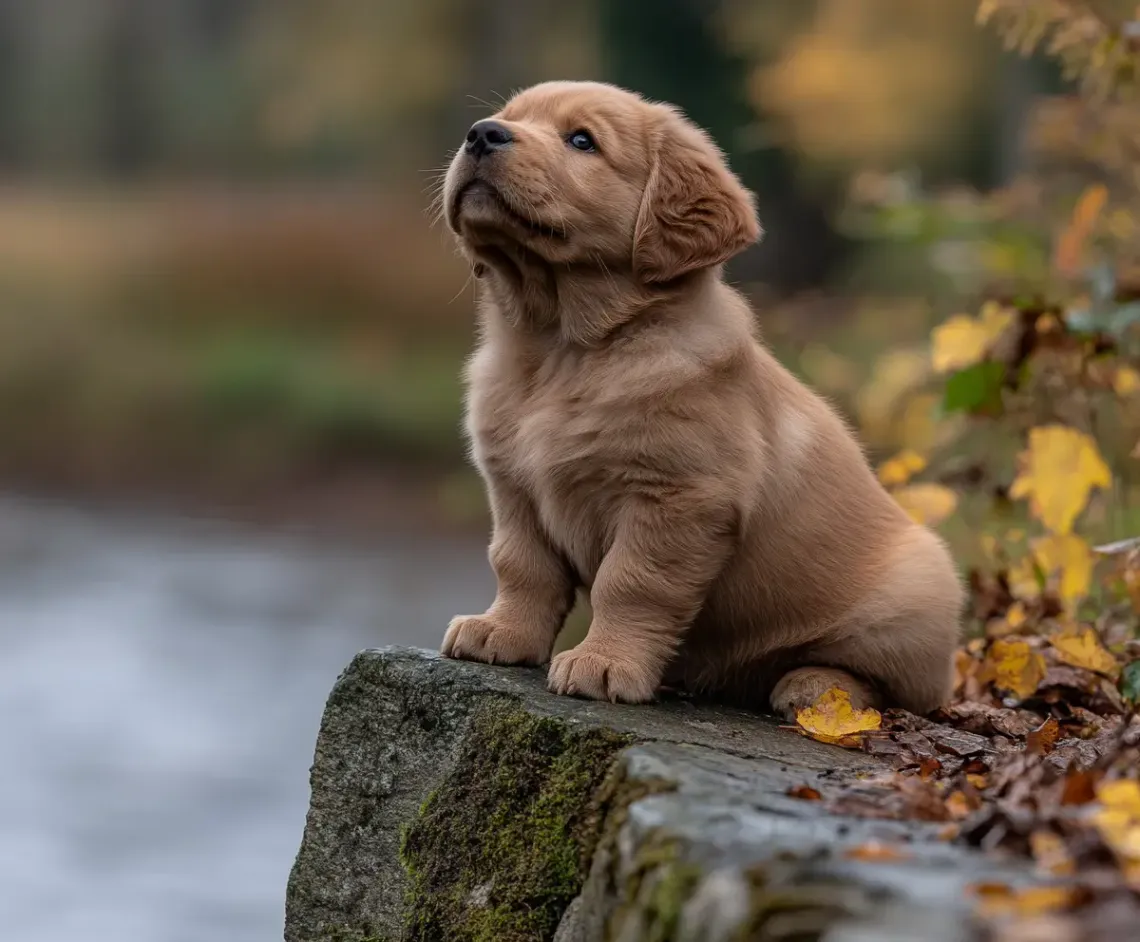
{"x": 455, "y": 801}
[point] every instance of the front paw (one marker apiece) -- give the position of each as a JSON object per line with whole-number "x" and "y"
{"x": 589, "y": 671}
{"x": 484, "y": 638}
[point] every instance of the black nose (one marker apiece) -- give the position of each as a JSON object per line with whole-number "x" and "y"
{"x": 486, "y": 136}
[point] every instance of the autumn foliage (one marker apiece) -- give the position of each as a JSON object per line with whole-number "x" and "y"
{"x": 1038, "y": 756}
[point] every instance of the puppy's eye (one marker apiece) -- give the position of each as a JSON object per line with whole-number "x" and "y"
{"x": 581, "y": 140}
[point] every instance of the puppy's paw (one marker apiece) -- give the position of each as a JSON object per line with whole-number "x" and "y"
{"x": 483, "y": 638}
{"x": 799, "y": 689}
{"x": 589, "y": 671}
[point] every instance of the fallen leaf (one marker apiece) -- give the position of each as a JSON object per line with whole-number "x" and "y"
{"x": 1083, "y": 649}
{"x": 1118, "y": 819}
{"x": 1066, "y": 555}
{"x": 928, "y": 504}
{"x": 964, "y": 340}
{"x": 805, "y": 793}
{"x": 958, "y": 742}
{"x": 1014, "y": 666}
{"x": 876, "y": 852}
{"x": 832, "y": 719}
{"x": 1079, "y": 788}
{"x": 901, "y": 468}
{"x": 1041, "y": 741}
{"x": 1059, "y": 470}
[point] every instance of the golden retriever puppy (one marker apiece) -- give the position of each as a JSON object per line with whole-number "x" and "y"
{"x": 638, "y": 440}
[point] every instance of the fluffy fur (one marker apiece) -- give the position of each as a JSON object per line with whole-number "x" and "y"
{"x": 639, "y": 441}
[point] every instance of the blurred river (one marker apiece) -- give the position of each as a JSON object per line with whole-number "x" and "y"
{"x": 161, "y": 684}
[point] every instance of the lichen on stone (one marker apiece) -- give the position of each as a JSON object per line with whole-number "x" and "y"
{"x": 498, "y": 850}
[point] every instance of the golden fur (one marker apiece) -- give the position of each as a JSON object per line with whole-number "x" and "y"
{"x": 638, "y": 440}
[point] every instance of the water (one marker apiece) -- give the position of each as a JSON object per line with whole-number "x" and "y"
{"x": 161, "y": 684}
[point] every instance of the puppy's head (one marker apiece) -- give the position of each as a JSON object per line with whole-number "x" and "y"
{"x": 583, "y": 173}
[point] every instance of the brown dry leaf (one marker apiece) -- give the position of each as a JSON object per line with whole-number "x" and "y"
{"x": 1041, "y": 741}
{"x": 1059, "y": 470}
{"x": 832, "y": 719}
{"x": 805, "y": 793}
{"x": 1014, "y": 666}
{"x": 877, "y": 852}
{"x": 1082, "y": 648}
{"x": 1080, "y": 787}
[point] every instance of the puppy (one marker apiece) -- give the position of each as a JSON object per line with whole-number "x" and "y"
{"x": 637, "y": 439}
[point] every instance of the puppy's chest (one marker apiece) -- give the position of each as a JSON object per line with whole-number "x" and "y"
{"x": 570, "y": 453}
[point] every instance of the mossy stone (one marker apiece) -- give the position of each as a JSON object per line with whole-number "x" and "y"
{"x": 500, "y": 848}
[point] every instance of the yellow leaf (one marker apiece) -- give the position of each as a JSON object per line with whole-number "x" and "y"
{"x": 1121, "y": 795}
{"x": 1126, "y": 381}
{"x": 1118, "y": 821}
{"x": 1083, "y": 649}
{"x": 1070, "y": 556}
{"x": 1014, "y": 666}
{"x": 833, "y": 719}
{"x": 927, "y": 503}
{"x": 901, "y": 468}
{"x": 1059, "y": 469}
{"x": 963, "y": 340}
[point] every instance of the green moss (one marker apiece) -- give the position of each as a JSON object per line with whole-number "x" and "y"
{"x": 654, "y": 892}
{"x": 500, "y": 849}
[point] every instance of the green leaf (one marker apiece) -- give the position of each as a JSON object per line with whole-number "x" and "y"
{"x": 975, "y": 389}
{"x": 1130, "y": 682}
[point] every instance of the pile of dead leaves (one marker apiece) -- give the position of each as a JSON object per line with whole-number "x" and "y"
{"x": 1038, "y": 756}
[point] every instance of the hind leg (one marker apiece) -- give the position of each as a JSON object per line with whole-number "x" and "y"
{"x": 800, "y": 688}
{"x": 902, "y": 637}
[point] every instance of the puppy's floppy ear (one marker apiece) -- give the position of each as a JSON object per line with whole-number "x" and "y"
{"x": 694, "y": 212}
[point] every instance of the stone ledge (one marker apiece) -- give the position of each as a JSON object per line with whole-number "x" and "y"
{"x": 455, "y": 801}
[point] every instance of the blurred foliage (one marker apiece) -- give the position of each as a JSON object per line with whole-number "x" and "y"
{"x": 214, "y": 262}
{"x": 1028, "y": 449}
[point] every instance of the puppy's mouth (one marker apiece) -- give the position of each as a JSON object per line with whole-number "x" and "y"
{"x": 482, "y": 190}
